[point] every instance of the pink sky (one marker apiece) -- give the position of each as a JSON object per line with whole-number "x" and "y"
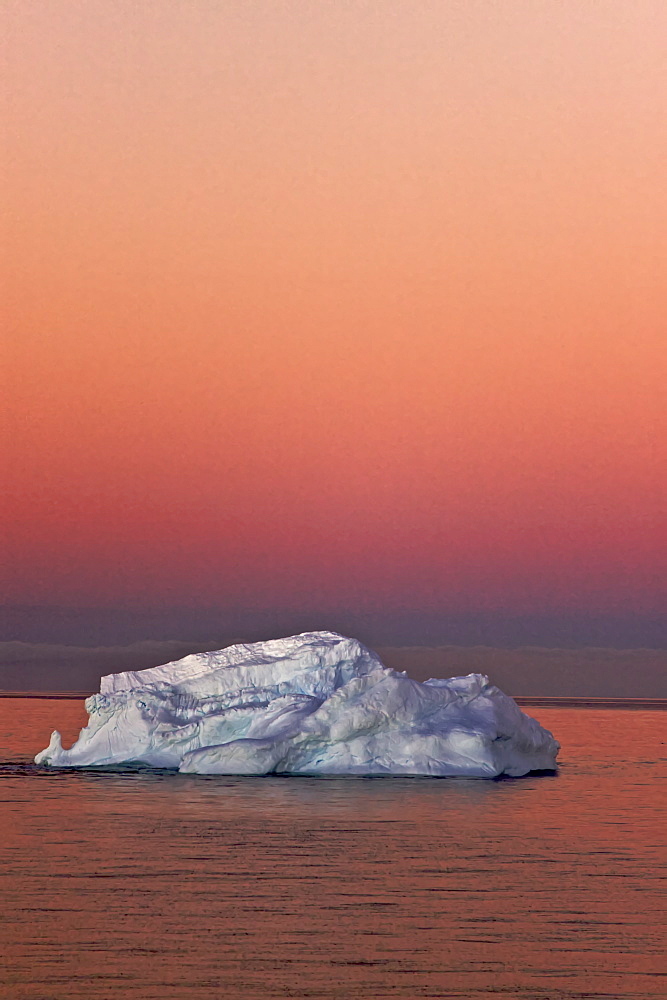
{"x": 336, "y": 304}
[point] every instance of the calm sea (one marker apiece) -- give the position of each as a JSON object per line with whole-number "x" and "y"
{"x": 156, "y": 886}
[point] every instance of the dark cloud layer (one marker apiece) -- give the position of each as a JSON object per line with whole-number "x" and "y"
{"x": 531, "y": 671}
{"x": 116, "y": 626}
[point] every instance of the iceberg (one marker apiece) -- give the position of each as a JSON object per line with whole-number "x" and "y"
{"x": 311, "y": 704}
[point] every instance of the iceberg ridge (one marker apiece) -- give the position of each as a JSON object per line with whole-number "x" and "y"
{"x": 315, "y": 703}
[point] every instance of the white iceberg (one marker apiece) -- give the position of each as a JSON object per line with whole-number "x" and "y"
{"x": 316, "y": 703}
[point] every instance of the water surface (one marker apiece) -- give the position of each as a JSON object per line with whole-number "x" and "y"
{"x": 148, "y": 885}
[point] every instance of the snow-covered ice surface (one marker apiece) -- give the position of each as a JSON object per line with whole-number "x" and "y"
{"x": 316, "y": 703}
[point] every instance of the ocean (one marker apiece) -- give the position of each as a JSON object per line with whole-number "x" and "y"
{"x": 149, "y": 885}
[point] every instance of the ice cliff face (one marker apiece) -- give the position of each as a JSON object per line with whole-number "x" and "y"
{"x": 316, "y": 703}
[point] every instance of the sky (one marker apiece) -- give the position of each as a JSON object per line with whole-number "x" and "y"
{"x": 336, "y": 307}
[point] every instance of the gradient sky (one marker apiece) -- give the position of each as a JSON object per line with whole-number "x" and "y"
{"x": 336, "y": 304}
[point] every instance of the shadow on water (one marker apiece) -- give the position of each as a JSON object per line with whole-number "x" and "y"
{"x": 137, "y": 771}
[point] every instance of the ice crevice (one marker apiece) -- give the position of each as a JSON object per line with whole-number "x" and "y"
{"x": 316, "y": 703}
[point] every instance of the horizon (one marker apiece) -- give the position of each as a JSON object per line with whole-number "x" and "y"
{"x": 519, "y": 664}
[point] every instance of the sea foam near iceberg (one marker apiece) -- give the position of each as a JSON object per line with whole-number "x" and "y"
{"x": 316, "y": 703}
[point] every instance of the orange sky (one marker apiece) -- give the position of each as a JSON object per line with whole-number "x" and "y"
{"x": 339, "y": 303}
